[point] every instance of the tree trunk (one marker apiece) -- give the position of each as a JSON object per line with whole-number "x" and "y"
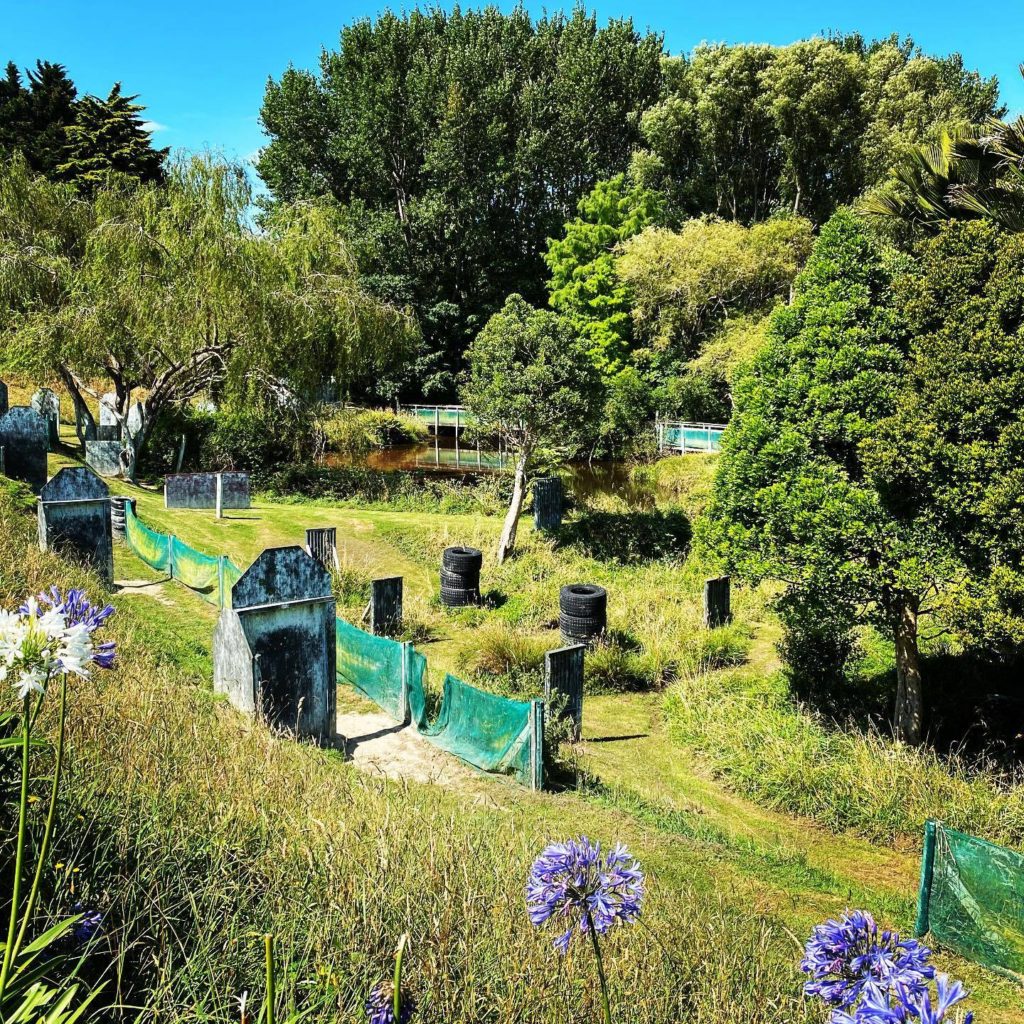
{"x": 909, "y": 694}
{"x": 133, "y": 443}
{"x": 85, "y": 424}
{"x": 508, "y": 532}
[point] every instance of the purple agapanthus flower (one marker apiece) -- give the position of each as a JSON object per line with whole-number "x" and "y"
{"x": 576, "y": 884}
{"x": 903, "y": 1006}
{"x": 852, "y": 956}
{"x": 380, "y": 1007}
{"x": 77, "y": 609}
{"x": 88, "y": 925}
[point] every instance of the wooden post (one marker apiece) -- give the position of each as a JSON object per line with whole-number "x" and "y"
{"x": 322, "y": 544}
{"x": 563, "y": 674}
{"x": 717, "y": 607}
{"x": 386, "y": 606}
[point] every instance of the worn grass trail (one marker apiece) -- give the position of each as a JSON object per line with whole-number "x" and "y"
{"x": 694, "y": 835}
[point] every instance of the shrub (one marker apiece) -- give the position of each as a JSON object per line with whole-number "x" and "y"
{"x": 254, "y": 442}
{"x": 414, "y": 491}
{"x": 160, "y": 456}
{"x": 358, "y": 431}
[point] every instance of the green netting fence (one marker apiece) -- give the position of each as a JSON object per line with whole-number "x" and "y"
{"x": 972, "y": 898}
{"x": 489, "y": 732}
{"x": 492, "y": 733}
{"x": 209, "y": 576}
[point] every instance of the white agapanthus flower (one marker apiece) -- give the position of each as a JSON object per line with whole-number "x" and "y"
{"x": 36, "y": 645}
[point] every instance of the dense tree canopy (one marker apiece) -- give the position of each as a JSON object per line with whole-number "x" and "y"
{"x": 164, "y": 292}
{"x": 474, "y": 134}
{"x": 744, "y": 130}
{"x": 70, "y": 138}
{"x": 794, "y": 499}
{"x": 954, "y": 447}
{"x": 530, "y": 382}
{"x": 585, "y": 287}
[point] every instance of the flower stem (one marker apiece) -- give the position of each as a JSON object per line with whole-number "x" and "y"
{"x": 51, "y": 817}
{"x": 399, "y": 954}
{"x": 600, "y": 970}
{"x": 268, "y": 942}
{"x": 19, "y": 856}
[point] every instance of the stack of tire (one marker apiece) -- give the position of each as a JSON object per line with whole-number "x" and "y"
{"x": 460, "y": 576}
{"x": 582, "y": 613}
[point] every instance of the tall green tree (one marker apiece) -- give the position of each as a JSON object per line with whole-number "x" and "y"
{"x": 531, "y": 382}
{"x": 109, "y": 136}
{"x": 476, "y": 133}
{"x": 165, "y": 292}
{"x": 72, "y": 139}
{"x": 742, "y": 131}
{"x": 953, "y": 448}
{"x": 585, "y": 287}
{"x": 796, "y": 499}
{"x": 685, "y": 284}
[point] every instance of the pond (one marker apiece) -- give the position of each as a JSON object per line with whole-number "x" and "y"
{"x": 584, "y": 479}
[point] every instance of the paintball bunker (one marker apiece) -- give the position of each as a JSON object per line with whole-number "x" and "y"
{"x": 274, "y": 649}
{"x": 74, "y": 517}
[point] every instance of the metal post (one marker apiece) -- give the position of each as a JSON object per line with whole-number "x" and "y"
{"x": 220, "y": 496}
{"x": 457, "y": 418}
{"x": 924, "y": 892}
{"x": 220, "y": 578}
{"x": 536, "y": 744}
{"x": 404, "y": 711}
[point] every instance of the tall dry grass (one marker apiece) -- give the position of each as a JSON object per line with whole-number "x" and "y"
{"x": 194, "y": 831}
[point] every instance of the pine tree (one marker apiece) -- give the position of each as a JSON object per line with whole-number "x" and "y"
{"x": 109, "y": 136}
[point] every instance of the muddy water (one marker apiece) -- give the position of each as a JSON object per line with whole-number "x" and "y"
{"x": 585, "y": 479}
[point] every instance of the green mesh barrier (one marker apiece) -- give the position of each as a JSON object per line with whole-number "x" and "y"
{"x": 197, "y": 571}
{"x": 373, "y": 665}
{"x": 150, "y": 546}
{"x": 232, "y": 574}
{"x": 972, "y": 898}
{"x": 490, "y": 732}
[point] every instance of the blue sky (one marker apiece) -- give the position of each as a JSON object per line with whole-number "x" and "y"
{"x": 201, "y": 67}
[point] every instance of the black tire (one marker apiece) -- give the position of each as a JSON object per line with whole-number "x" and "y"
{"x": 453, "y": 597}
{"x": 570, "y": 625}
{"x": 583, "y": 600}
{"x": 460, "y": 580}
{"x": 461, "y": 560}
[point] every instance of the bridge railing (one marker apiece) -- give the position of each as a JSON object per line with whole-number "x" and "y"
{"x": 684, "y": 436}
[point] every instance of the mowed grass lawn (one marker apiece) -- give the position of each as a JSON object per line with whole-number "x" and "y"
{"x": 703, "y": 845}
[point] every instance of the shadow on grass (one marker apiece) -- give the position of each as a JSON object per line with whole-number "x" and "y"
{"x": 629, "y": 537}
{"x": 972, "y": 707}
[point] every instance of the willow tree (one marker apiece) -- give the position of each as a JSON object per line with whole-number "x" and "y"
{"x": 166, "y": 292}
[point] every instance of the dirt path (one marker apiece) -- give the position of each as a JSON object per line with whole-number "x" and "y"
{"x": 377, "y": 745}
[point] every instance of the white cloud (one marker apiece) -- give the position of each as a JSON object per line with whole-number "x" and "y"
{"x": 154, "y": 126}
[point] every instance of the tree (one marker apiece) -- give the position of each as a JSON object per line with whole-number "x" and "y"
{"x": 166, "y": 293}
{"x": 108, "y": 136}
{"x": 72, "y": 139}
{"x": 795, "y": 497}
{"x": 476, "y": 133}
{"x": 970, "y": 172}
{"x": 584, "y": 285}
{"x": 742, "y": 131}
{"x": 953, "y": 447}
{"x": 34, "y": 118}
{"x": 531, "y": 382}
{"x": 686, "y": 283}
